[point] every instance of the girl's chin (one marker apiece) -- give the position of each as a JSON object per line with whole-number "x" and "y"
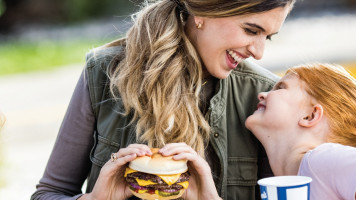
{"x": 253, "y": 123}
{"x": 249, "y": 122}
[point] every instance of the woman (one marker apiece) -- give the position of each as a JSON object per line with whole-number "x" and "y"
{"x": 307, "y": 126}
{"x": 180, "y": 75}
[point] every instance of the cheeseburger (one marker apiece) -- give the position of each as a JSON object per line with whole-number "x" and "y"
{"x": 157, "y": 177}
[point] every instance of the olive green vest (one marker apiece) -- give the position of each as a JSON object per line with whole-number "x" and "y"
{"x": 238, "y": 152}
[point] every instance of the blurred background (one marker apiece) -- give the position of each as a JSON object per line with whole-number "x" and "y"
{"x": 42, "y": 50}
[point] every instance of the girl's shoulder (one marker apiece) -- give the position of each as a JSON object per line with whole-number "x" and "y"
{"x": 330, "y": 158}
{"x": 332, "y": 168}
{"x": 332, "y": 154}
{"x": 332, "y": 150}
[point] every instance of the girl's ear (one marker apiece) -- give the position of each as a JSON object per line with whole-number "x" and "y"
{"x": 313, "y": 117}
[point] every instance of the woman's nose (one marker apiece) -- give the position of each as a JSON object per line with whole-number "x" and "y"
{"x": 257, "y": 48}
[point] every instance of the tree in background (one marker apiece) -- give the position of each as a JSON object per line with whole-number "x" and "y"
{"x": 2, "y": 7}
{"x": 84, "y": 9}
{"x": 6, "y": 16}
{"x": 17, "y": 12}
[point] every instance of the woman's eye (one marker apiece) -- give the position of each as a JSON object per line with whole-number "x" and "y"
{"x": 269, "y": 38}
{"x": 249, "y": 31}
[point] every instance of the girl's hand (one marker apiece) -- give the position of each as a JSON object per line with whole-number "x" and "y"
{"x": 201, "y": 183}
{"x": 111, "y": 184}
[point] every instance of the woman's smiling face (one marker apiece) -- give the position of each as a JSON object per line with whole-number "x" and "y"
{"x": 223, "y": 43}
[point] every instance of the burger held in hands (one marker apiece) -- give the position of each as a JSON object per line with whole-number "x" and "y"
{"x": 157, "y": 177}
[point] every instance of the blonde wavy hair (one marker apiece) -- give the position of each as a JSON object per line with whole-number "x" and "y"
{"x": 160, "y": 76}
{"x": 335, "y": 89}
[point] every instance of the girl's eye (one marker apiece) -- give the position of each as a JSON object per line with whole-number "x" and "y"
{"x": 269, "y": 38}
{"x": 279, "y": 86}
{"x": 249, "y": 31}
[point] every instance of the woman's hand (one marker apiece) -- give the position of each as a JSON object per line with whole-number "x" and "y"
{"x": 111, "y": 184}
{"x": 201, "y": 183}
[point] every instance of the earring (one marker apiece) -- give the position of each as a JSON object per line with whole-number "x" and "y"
{"x": 199, "y": 25}
{"x": 181, "y": 17}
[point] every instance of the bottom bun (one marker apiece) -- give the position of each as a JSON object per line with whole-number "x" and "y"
{"x": 148, "y": 196}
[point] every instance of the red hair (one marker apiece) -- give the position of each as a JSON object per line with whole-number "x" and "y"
{"x": 335, "y": 89}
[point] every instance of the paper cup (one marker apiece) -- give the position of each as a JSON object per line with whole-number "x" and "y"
{"x": 285, "y": 188}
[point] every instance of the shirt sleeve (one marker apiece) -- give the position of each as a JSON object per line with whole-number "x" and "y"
{"x": 335, "y": 165}
{"x": 69, "y": 163}
{"x": 345, "y": 176}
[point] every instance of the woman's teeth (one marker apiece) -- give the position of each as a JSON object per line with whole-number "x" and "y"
{"x": 237, "y": 58}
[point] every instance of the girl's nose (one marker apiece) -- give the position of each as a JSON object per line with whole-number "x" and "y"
{"x": 262, "y": 96}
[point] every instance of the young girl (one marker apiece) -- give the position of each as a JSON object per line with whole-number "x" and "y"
{"x": 307, "y": 124}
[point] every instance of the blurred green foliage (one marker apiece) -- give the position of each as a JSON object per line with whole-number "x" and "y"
{"x": 21, "y": 57}
{"x": 84, "y": 9}
{"x": 62, "y": 11}
{"x": 2, "y": 7}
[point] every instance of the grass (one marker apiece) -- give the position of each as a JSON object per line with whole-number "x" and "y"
{"x": 21, "y": 57}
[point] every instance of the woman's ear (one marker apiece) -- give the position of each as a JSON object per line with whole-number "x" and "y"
{"x": 199, "y": 21}
{"x": 313, "y": 117}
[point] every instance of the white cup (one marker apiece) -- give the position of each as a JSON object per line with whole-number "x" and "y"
{"x": 285, "y": 188}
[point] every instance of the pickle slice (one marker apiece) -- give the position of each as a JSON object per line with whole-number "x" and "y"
{"x": 167, "y": 194}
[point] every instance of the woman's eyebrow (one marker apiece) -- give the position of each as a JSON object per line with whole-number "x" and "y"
{"x": 255, "y": 26}
{"x": 259, "y": 27}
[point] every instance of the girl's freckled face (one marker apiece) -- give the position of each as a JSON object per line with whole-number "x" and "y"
{"x": 281, "y": 108}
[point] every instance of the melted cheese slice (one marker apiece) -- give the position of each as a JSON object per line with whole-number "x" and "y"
{"x": 141, "y": 191}
{"x": 170, "y": 179}
{"x": 129, "y": 171}
{"x": 185, "y": 184}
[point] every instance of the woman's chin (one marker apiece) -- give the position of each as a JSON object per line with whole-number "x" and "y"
{"x": 222, "y": 73}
